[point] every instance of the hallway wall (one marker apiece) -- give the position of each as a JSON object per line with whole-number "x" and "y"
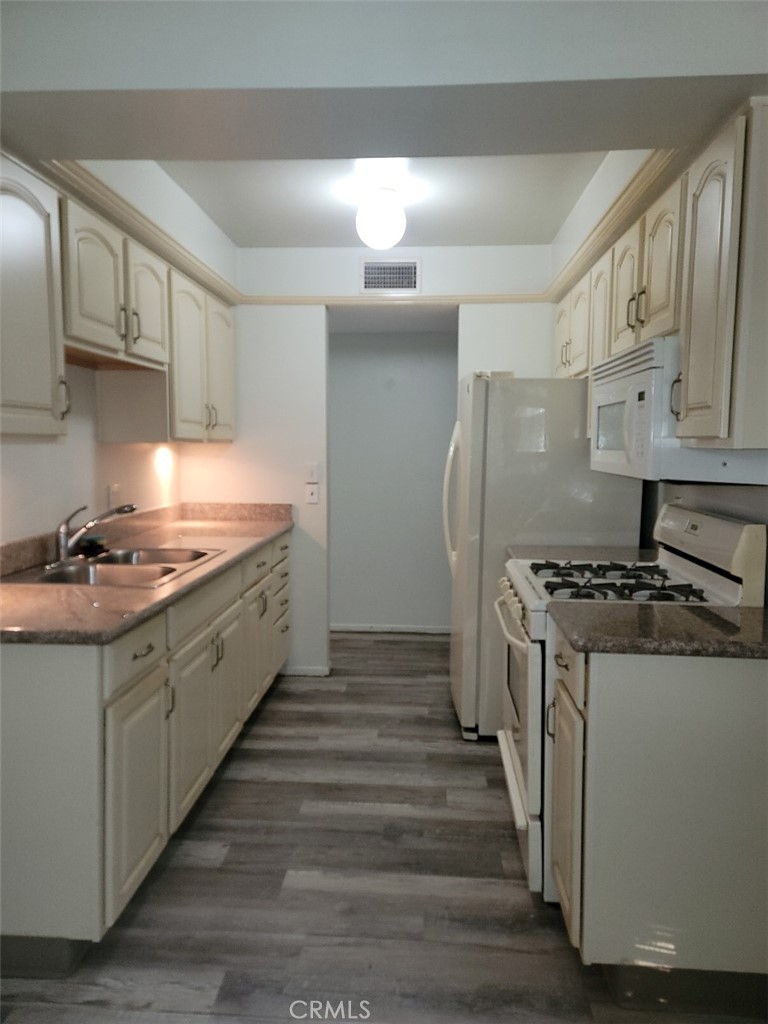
{"x": 391, "y": 408}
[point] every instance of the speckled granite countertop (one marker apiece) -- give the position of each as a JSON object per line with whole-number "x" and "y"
{"x": 635, "y": 628}
{"x": 71, "y": 614}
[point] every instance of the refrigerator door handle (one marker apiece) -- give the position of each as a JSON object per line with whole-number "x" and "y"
{"x": 453, "y": 448}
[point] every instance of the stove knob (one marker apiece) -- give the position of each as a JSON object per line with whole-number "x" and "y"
{"x": 504, "y": 584}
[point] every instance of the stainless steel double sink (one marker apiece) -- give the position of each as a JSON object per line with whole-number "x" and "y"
{"x": 123, "y": 567}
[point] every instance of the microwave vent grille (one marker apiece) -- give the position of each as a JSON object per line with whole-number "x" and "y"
{"x": 658, "y": 352}
{"x": 390, "y": 277}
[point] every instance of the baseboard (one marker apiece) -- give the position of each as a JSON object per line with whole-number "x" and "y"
{"x": 305, "y": 670}
{"x": 357, "y": 628}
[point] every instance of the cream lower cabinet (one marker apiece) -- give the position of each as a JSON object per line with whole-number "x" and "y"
{"x": 226, "y": 678}
{"x": 281, "y": 607}
{"x": 32, "y": 384}
{"x": 567, "y": 808}
{"x": 257, "y": 663}
{"x": 660, "y": 810}
{"x": 136, "y": 787}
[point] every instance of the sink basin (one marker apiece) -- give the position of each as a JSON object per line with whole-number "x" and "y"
{"x": 151, "y": 556}
{"x": 96, "y": 573}
{"x": 123, "y": 567}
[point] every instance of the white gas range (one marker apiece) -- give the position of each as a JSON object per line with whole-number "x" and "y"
{"x": 703, "y": 560}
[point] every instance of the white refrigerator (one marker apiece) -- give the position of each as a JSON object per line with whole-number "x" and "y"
{"x": 517, "y": 473}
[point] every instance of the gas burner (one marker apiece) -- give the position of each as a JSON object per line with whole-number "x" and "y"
{"x": 544, "y": 570}
{"x": 682, "y": 592}
{"x": 570, "y": 590}
{"x": 615, "y": 570}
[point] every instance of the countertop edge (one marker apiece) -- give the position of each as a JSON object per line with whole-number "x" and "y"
{"x": 235, "y": 550}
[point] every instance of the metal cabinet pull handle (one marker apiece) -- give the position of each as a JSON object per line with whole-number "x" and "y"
{"x": 550, "y": 708}
{"x": 143, "y": 654}
{"x": 123, "y": 328}
{"x": 207, "y": 416}
{"x": 632, "y": 300}
{"x": 284, "y": 575}
{"x": 172, "y": 690}
{"x": 67, "y": 397}
{"x": 137, "y": 324}
{"x": 642, "y": 294}
{"x": 568, "y": 345}
{"x": 221, "y": 648}
{"x": 285, "y": 629}
{"x": 284, "y": 602}
{"x": 678, "y": 380}
{"x": 283, "y": 547}
{"x": 214, "y": 652}
{"x": 260, "y": 565}
{"x": 561, "y": 662}
{"x": 215, "y": 417}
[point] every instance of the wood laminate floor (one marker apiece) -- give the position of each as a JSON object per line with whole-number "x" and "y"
{"x": 353, "y": 851}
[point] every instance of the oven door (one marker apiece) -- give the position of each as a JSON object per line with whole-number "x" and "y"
{"x": 521, "y": 736}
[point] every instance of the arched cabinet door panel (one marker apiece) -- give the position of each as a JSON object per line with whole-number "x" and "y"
{"x": 713, "y": 214}
{"x": 34, "y": 392}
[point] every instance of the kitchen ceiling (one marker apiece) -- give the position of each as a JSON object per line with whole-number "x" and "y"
{"x": 488, "y": 200}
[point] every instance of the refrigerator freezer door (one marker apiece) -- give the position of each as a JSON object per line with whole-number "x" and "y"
{"x": 469, "y": 492}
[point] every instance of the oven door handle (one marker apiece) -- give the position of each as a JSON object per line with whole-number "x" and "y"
{"x": 513, "y": 641}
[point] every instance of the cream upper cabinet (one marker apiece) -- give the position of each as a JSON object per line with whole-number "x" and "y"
{"x": 710, "y": 263}
{"x": 202, "y": 364}
{"x": 562, "y": 336}
{"x": 657, "y": 309}
{"x": 32, "y": 383}
{"x": 115, "y": 291}
{"x": 578, "y": 348}
{"x": 627, "y": 261}
{"x": 600, "y": 286}
{"x": 188, "y": 385}
{"x": 94, "y": 283}
{"x": 571, "y": 338}
{"x": 147, "y": 310}
{"x": 220, "y": 363}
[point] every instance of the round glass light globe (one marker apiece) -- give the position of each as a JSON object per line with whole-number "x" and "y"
{"x": 380, "y": 220}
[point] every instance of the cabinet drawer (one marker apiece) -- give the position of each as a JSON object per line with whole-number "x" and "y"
{"x": 281, "y": 602}
{"x": 257, "y": 566}
{"x": 570, "y": 668}
{"x": 132, "y": 655}
{"x": 281, "y": 574}
{"x": 281, "y": 548}
{"x": 199, "y": 608}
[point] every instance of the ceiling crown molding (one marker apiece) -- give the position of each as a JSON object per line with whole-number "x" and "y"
{"x": 79, "y": 183}
{"x": 658, "y": 171}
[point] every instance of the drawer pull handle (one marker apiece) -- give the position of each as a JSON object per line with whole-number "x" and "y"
{"x": 285, "y": 629}
{"x": 284, "y": 547}
{"x": 550, "y": 731}
{"x": 260, "y": 565}
{"x": 561, "y": 662}
{"x": 284, "y": 602}
{"x": 137, "y": 655}
{"x": 172, "y": 690}
{"x": 284, "y": 575}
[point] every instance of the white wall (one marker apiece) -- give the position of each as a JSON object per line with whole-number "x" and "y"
{"x": 611, "y": 178}
{"x": 506, "y": 336}
{"x": 44, "y": 480}
{"x": 281, "y": 360}
{"x": 391, "y": 408}
{"x": 145, "y": 185}
{"x": 445, "y": 270}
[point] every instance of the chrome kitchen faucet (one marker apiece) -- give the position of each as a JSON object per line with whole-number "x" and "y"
{"x": 66, "y": 542}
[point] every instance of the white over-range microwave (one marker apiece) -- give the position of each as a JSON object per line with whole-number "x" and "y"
{"x": 634, "y": 421}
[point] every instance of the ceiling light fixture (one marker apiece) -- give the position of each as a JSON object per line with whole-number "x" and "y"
{"x": 380, "y": 220}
